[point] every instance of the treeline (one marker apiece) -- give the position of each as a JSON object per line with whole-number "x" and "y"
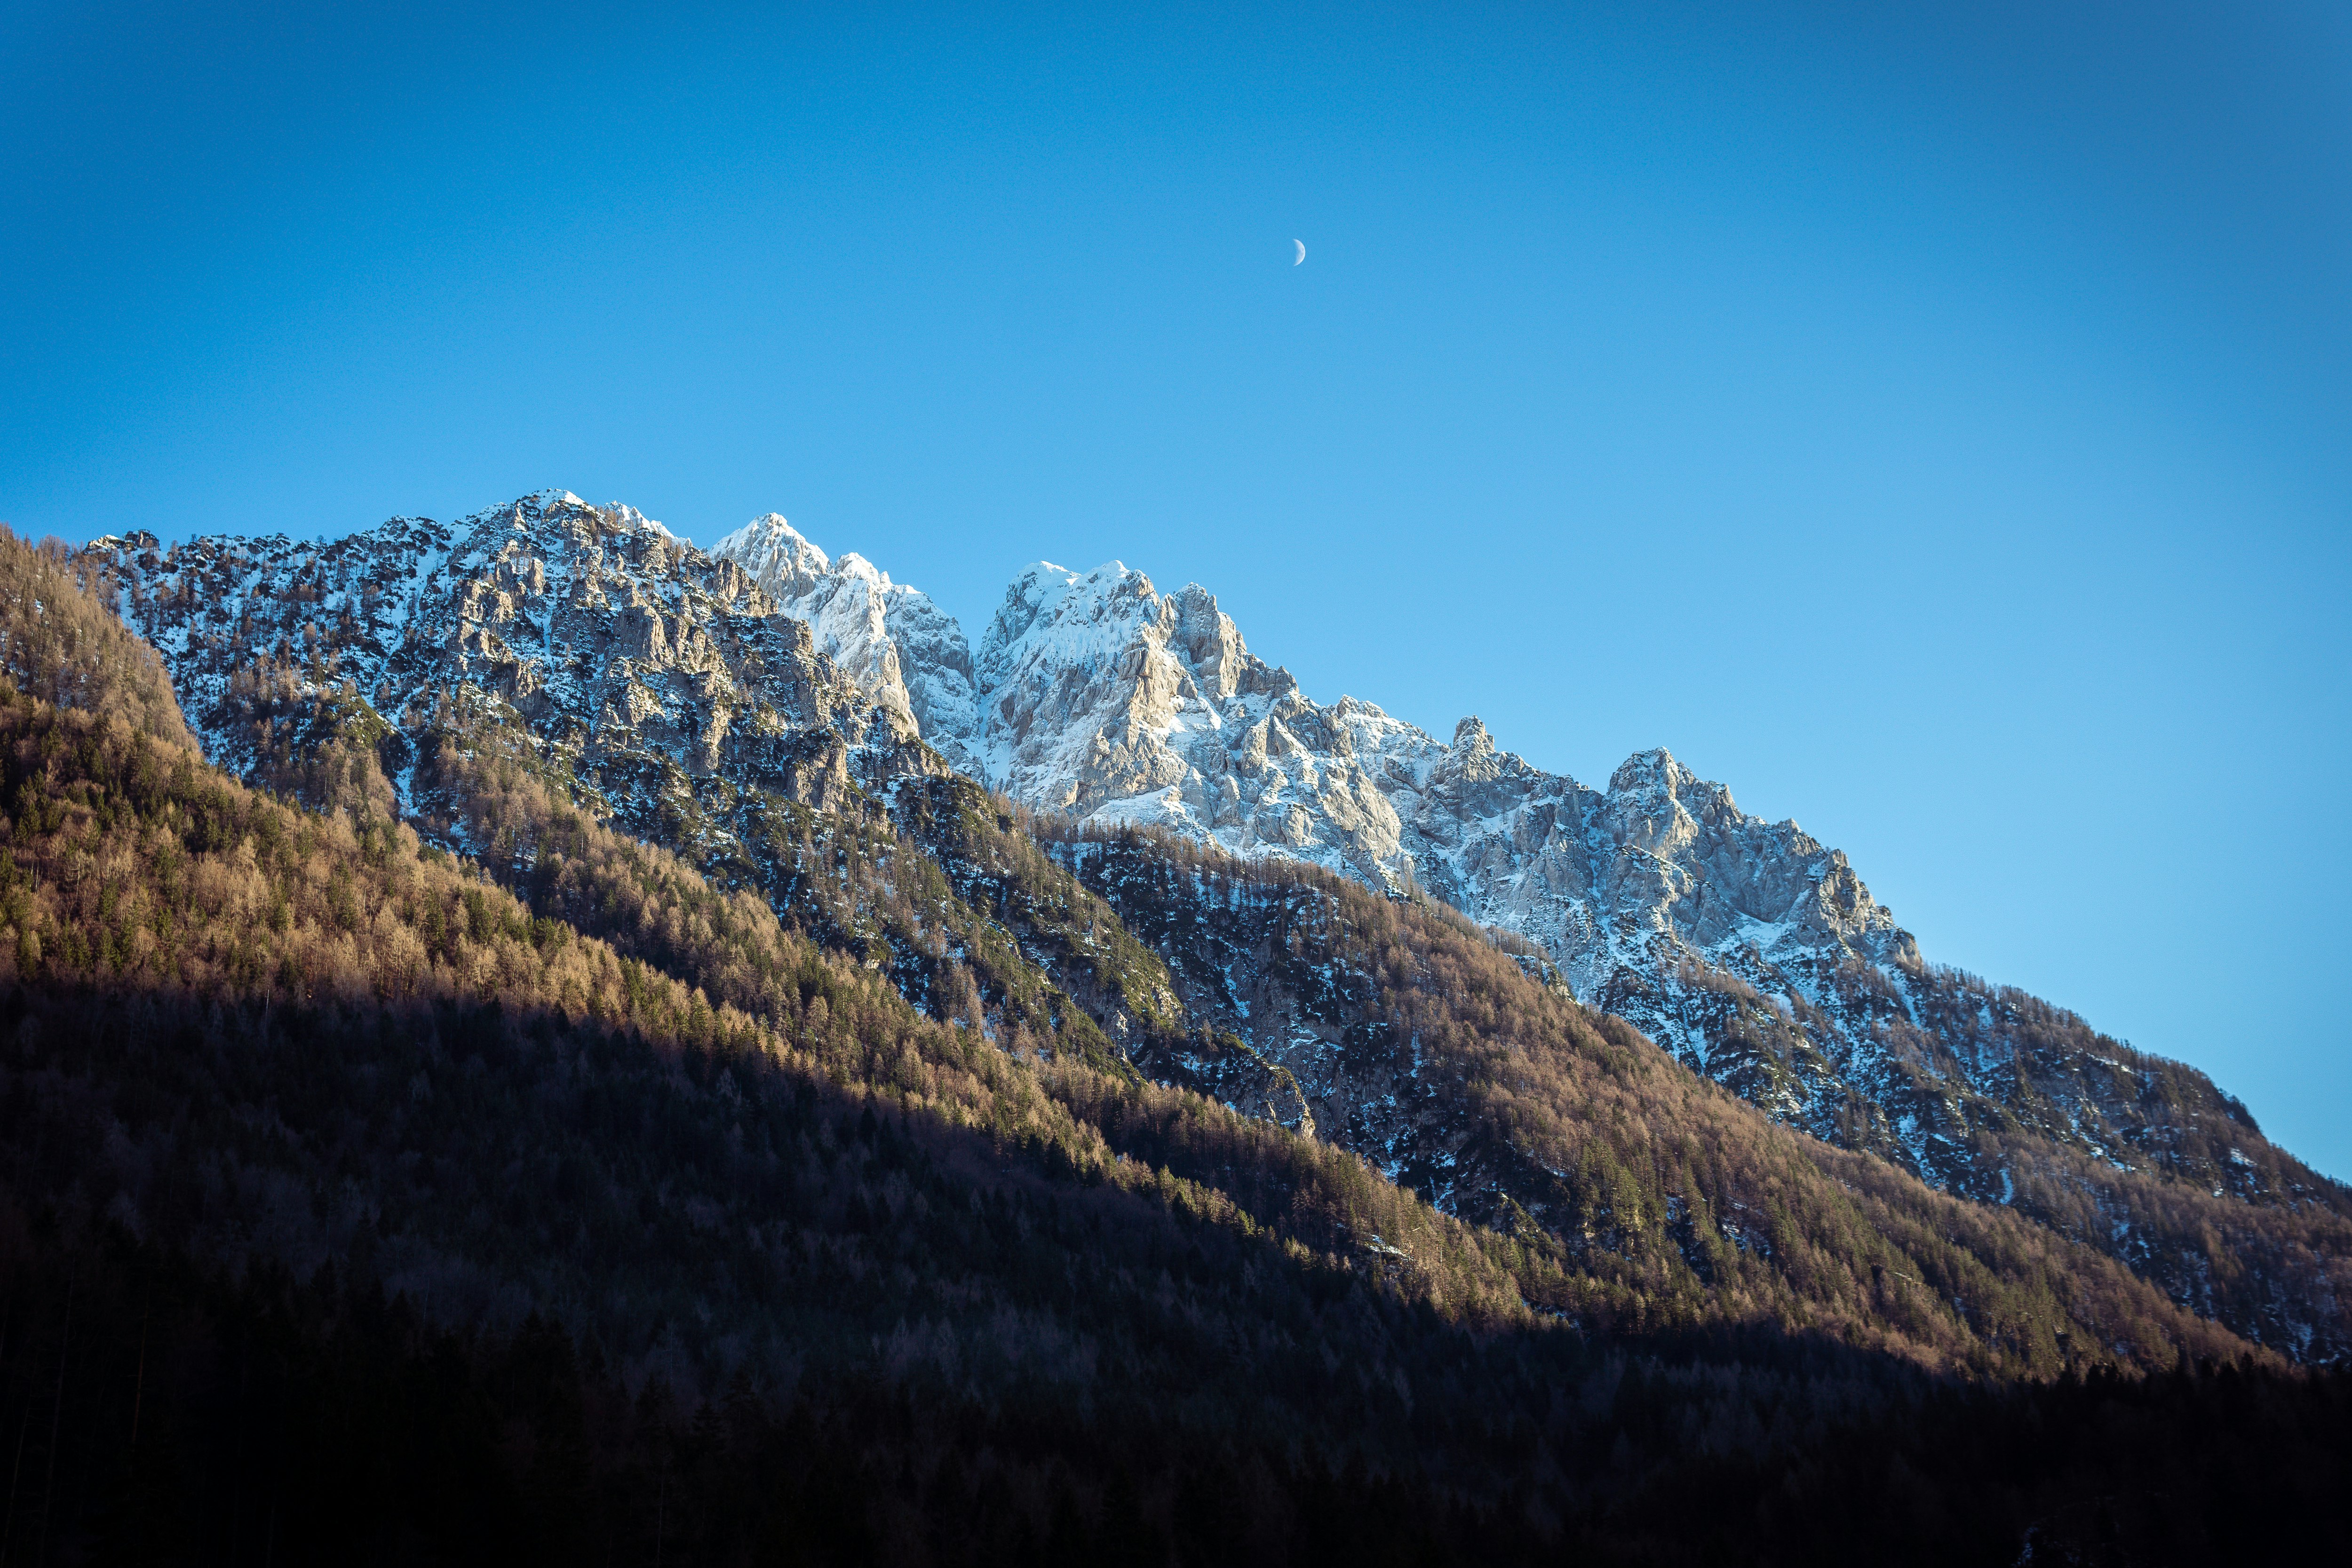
{"x": 141, "y": 879}
{"x": 877, "y": 1256}
{"x": 950, "y": 933}
{"x": 133, "y": 866}
{"x": 1631, "y": 1197}
{"x": 1012, "y": 1024}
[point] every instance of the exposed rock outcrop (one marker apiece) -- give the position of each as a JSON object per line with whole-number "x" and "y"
{"x": 654, "y": 673}
{"x": 892, "y": 640}
{"x": 702, "y": 700}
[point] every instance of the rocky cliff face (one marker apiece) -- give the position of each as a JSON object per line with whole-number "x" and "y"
{"x": 657, "y": 677}
{"x": 904, "y": 650}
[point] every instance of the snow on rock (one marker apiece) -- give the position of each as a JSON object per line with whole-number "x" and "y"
{"x": 1746, "y": 947}
{"x": 655, "y": 672}
{"x": 1105, "y": 699}
{"x": 680, "y": 684}
{"x": 686, "y": 691}
{"x": 862, "y": 621}
{"x": 1094, "y": 695}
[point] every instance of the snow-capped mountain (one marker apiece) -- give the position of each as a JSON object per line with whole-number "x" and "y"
{"x": 651, "y": 671}
{"x": 712, "y": 702}
{"x": 888, "y": 637}
{"x": 1747, "y": 948}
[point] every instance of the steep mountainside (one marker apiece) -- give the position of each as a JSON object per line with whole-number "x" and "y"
{"x": 756, "y": 713}
{"x": 863, "y": 621}
{"x": 1434, "y": 1051}
{"x": 957, "y": 904}
{"x": 666, "y": 682}
{"x": 352, "y": 1205}
{"x": 1747, "y": 948}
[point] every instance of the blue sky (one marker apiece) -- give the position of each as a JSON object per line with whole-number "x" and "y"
{"x": 1934, "y": 421}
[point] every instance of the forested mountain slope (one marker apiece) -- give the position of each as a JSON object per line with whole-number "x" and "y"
{"x": 978, "y": 925}
{"x": 673, "y": 696}
{"x": 483, "y": 1222}
{"x": 1439, "y": 1053}
{"x": 684, "y": 700}
{"x": 1747, "y": 948}
{"x": 63, "y": 645}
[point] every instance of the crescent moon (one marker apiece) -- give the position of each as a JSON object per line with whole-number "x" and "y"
{"x": 1302, "y": 251}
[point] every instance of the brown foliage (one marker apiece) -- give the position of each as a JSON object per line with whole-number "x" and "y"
{"x": 132, "y": 865}
{"x": 129, "y": 863}
{"x": 59, "y": 643}
{"x": 1636, "y": 1194}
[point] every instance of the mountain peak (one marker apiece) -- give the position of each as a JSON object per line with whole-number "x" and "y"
{"x": 1053, "y": 617}
{"x": 887, "y": 637}
{"x": 1748, "y": 950}
{"x": 775, "y": 553}
{"x": 1649, "y": 771}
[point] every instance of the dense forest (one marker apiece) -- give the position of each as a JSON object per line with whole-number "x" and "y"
{"x": 1349, "y": 973}
{"x": 960, "y": 902}
{"x": 872, "y": 1199}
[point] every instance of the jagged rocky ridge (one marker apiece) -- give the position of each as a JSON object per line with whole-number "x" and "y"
{"x": 861, "y": 620}
{"x": 1746, "y": 947}
{"x": 658, "y": 678}
{"x": 687, "y": 696}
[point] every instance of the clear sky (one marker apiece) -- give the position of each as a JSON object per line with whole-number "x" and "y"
{"x": 1934, "y": 421}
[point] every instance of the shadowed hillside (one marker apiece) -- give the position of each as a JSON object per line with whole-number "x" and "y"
{"x": 357, "y": 1198}
{"x": 756, "y": 712}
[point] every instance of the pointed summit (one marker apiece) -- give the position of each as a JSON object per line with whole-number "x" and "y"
{"x": 776, "y": 555}
{"x": 1470, "y": 735}
{"x": 889, "y": 638}
{"x": 1652, "y": 771}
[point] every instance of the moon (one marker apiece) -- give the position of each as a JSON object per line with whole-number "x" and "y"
{"x": 1302, "y": 251}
